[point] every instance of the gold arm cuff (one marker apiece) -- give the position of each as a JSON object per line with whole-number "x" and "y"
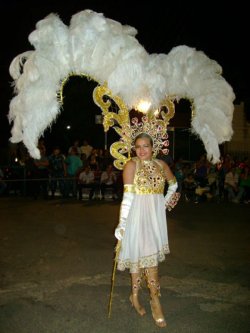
{"x": 172, "y": 181}
{"x": 129, "y": 188}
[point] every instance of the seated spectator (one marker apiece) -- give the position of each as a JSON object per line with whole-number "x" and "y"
{"x": 203, "y": 193}
{"x": 201, "y": 170}
{"x": 106, "y": 159}
{"x": 231, "y": 185}
{"x": 100, "y": 159}
{"x": 108, "y": 180}
{"x": 189, "y": 187}
{"x": 212, "y": 179}
{"x": 86, "y": 180}
{"x": 92, "y": 161}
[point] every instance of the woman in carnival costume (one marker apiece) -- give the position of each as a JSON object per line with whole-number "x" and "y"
{"x": 142, "y": 227}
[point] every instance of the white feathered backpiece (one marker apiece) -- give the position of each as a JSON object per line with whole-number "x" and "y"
{"x": 109, "y": 53}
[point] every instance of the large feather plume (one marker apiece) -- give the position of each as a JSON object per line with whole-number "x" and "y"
{"x": 109, "y": 52}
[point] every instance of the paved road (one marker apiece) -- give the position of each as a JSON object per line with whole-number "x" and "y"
{"x": 56, "y": 266}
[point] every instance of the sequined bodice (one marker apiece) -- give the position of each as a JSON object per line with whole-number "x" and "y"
{"x": 149, "y": 177}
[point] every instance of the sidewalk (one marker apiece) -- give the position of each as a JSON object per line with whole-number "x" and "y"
{"x": 56, "y": 260}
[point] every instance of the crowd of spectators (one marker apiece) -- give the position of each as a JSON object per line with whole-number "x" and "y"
{"x": 90, "y": 171}
{"x": 63, "y": 174}
{"x": 226, "y": 181}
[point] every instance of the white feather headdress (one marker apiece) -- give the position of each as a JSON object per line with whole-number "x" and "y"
{"x": 109, "y": 52}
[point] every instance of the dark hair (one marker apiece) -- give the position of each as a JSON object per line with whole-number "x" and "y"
{"x": 145, "y": 136}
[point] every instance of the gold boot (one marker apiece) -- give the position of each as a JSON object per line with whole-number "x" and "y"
{"x": 136, "y": 285}
{"x": 153, "y": 284}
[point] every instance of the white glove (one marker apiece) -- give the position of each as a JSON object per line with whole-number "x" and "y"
{"x": 124, "y": 211}
{"x": 171, "y": 198}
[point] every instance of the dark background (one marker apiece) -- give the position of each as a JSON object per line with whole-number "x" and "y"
{"x": 217, "y": 28}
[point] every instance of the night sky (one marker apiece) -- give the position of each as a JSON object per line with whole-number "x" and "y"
{"x": 220, "y": 32}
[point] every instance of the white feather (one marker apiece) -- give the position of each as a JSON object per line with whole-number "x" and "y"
{"x": 109, "y": 52}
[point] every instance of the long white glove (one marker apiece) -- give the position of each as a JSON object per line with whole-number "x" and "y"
{"x": 127, "y": 199}
{"x": 172, "y": 197}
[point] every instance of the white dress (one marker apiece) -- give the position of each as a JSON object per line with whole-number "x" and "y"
{"x": 145, "y": 240}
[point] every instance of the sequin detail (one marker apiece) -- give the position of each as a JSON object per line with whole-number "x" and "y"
{"x": 149, "y": 178}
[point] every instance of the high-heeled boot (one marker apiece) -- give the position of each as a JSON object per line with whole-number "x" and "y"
{"x": 153, "y": 284}
{"x": 136, "y": 286}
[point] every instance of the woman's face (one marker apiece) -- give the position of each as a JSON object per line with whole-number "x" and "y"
{"x": 143, "y": 149}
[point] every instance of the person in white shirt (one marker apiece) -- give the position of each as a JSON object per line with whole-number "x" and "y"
{"x": 86, "y": 148}
{"x": 86, "y": 179}
{"x": 108, "y": 180}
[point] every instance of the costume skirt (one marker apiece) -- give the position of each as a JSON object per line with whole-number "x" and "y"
{"x": 145, "y": 240}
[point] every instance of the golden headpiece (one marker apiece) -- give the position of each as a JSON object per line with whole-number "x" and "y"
{"x": 116, "y": 114}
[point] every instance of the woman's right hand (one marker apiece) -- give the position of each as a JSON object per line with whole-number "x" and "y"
{"x": 119, "y": 232}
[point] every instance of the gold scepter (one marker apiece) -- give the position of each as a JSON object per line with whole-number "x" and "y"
{"x": 117, "y": 250}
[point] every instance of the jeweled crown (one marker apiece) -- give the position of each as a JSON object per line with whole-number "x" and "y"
{"x": 116, "y": 114}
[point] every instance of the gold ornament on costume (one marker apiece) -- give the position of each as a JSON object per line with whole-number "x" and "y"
{"x": 116, "y": 114}
{"x": 150, "y": 178}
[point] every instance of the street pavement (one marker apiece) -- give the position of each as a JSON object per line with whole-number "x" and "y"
{"x": 56, "y": 262}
